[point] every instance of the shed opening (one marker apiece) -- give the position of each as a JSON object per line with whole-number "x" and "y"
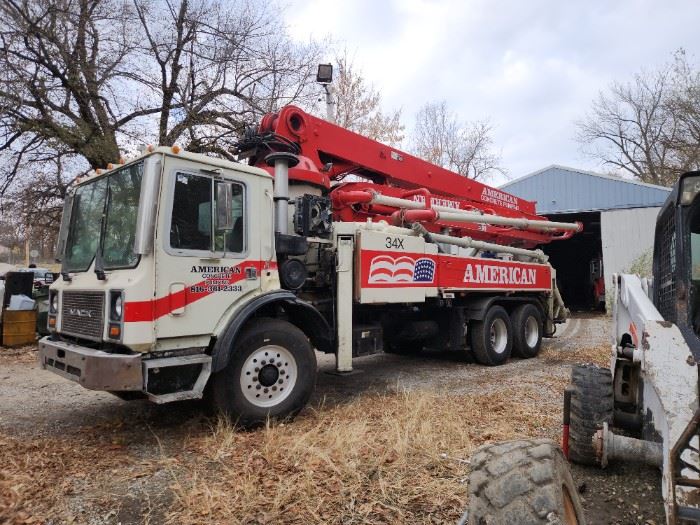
{"x": 579, "y": 263}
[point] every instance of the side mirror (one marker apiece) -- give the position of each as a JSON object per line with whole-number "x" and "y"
{"x": 224, "y": 206}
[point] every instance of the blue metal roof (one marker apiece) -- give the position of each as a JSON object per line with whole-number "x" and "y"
{"x": 558, "y": 189}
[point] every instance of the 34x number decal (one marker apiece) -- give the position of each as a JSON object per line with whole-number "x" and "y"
{"x": 394, "y": 242}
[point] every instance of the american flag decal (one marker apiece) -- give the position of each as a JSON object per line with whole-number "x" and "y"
{"x": 424, "y": 271}
{"x": 387, "y": 269}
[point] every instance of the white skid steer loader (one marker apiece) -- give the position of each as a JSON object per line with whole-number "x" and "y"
{"x": 644, "y": 408}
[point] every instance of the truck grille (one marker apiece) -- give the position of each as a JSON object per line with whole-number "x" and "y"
{"x": 83, "y": 314}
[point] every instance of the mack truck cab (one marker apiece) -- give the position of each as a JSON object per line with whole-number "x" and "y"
{"x": 158, "y": 256}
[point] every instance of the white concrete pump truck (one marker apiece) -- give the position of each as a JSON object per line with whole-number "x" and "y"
{"x": 185, "y": 275}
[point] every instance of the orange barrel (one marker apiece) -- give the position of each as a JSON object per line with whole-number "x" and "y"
{"x": 18, "y": 327}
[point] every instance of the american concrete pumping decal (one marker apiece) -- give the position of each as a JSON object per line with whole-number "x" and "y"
{"x": 500, "y": 198}
{"x": 216, "y": 279}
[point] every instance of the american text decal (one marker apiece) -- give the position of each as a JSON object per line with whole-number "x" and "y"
{"x": 380, "y": 269}
{"x": 484, "y": 273}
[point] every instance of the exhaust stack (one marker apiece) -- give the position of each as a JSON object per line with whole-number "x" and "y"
{"x": 282, "y": 162}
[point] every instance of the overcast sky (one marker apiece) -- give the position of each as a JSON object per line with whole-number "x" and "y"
{"x": 530, "y": 66}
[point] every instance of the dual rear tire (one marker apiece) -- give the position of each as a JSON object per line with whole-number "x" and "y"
{"x": 499, "y": 334}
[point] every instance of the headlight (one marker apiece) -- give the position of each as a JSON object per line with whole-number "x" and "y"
{"x": 117, "y": 306}
{"x": 54, "y": 302}
{"x": 690, "y": 188}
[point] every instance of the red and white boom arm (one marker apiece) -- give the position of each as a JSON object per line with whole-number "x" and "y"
{"x": 388, "y": 181}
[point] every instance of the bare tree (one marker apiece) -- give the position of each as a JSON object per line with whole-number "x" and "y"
{"x": 648, "y": 127}
{"x": 88, "y": 78}
{"x": 358, "y": 106}
{"x": 631, "y": 129}
{"x": 465, "y": 148}
{"x": 683, "y": 102}
{"x": 218, "y": 65}
{"x": 34, "y": 205}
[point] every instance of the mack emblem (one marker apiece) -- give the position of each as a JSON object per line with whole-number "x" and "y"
{"x": 80, "y": 313}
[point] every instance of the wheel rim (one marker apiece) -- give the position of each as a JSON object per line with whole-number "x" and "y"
{"x": 268, "y": 376}
{"x": 499, "y": 336}
{"x": 532, "y": 331}
{"x": 570, "y": 517}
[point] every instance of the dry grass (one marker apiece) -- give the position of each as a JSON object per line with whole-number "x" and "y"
{"x": 599, "y": 355}
{"x": 22, "y": 479}
{"x": 377, "y": 460}
{"x": 374, "y": 459}
{"x": 36, "y": 475}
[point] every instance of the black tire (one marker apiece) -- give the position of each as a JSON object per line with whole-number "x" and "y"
{"x": 591, "y": 406}
{"x": 526, "y": 318}
{"x": 227, "y": 385}
{"x": 482, "y": 343}
{"x": 524, "y": 482}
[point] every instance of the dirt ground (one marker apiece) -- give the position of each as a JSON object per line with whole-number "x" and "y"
{"x": 68, "y": 455}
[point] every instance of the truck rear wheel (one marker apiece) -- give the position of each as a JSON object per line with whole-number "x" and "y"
{"x": 527, "y": 482}
{"x": 527, "y": 331}
{"x": 492, "y": 339}
{"x": 591, "y": 405}
{"x": 271, "y": 374}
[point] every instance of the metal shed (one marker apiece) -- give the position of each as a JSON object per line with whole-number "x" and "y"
{"x": 619, "y": 217}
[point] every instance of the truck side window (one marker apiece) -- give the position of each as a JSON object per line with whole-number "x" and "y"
{"x": 234, "y": 240}
{"x": 191, "y": 223}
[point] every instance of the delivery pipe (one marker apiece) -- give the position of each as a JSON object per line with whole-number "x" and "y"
{"x": 562, "y": 310}
{"x": 455, "y": 215}
{"x": 282, "y": 161}
{"x": 468, "y": 242}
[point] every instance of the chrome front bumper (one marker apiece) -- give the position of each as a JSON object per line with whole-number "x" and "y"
{"x": 98, "y": 370}
{"x": 93, "y": 369}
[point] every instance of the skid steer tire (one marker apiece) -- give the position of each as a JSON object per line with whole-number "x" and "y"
{"x": 492, "y": 339}
{"x": 271, "y": 374}
{"x": 524, "y": 482}
{"x": 591, "y": 406}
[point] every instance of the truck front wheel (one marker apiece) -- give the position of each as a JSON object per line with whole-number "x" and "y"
{"x": 492, "y": 339}
{"x": 271, "y": 374}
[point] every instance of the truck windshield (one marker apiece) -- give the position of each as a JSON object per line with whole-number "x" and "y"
{"x": 104, "y": 217}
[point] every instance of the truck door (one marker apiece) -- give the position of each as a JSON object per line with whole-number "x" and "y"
{"x": 202, "y": 271}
